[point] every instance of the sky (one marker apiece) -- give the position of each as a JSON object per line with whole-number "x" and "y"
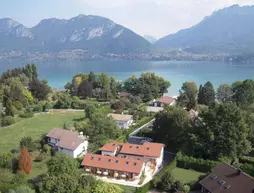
{"x": 145, "y": 17}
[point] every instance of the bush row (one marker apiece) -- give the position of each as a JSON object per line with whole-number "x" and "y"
{"x": 248, "y": 168}
{"x": 246, "y": 160}
{"x": 200, "y": 165}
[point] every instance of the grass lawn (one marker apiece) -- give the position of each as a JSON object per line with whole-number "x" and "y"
{"x": 35, "y": 127}
{"x": 127, "y": 189}
{"x": 185, "y": 176}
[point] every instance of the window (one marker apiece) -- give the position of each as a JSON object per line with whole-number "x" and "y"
{"x": 147, "y": 148}
{"x": 99, "y": 159}
{"x": 92, "y": 158}
{"x": 109, "y": 160}
{"x": 116, "y": 161}
{"x": 221, "y": 182}
{"x": 127, "y": 163}
{"x": 135, "y": 163}
{"x": 137, "y": 147}
{"x": 214, "y": 177}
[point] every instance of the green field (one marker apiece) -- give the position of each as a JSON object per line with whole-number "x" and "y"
{"x": 185, "y": 176}
{"x": 127, "y": 189}
{"x": 35, "y": 127}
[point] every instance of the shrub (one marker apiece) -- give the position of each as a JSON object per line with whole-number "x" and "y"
{"x": 200, "y": 165}
{"x": 46, "y": 148}
{"x": 19, "y": 178}
{"x": 41, "y": 157}
{"x": 26, "y": 142}
{"x": 38, "y": 108}
{"x": 247, "y": 160}
{"x": 248, "y": 168}
{"x": 145, "y": 188}
{"x": 26, "y": 114}
{"x": 119, "y": 105}
{"x": 8, "y": 120}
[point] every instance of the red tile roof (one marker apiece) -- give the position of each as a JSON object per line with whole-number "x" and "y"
{"x": 124, "y": 94}
{"x": 166, "y": 100}
{"x": 113, "y": 163}
{"x": 68, "y": 139}
{"x": 111, "y": 146}
{"x": 233, "y": 180}
{"x": 147, "y": 149}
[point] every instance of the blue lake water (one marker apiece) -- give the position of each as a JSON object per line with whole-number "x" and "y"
{"x": 177, "y": 72}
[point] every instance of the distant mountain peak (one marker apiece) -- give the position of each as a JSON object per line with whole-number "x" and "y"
{"x": 150, "y": 39}
{"x": 228, "y": 30}
{"x": 87, "y": 32}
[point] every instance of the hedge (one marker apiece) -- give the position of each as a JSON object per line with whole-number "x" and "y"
{"x": 248, "y": 168}
{"x": 199, "y": 165}
{"x": 246, "y": 160}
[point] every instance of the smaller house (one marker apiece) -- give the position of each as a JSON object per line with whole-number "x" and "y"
{"x": 123, "y": 121}
{"x": 227, "y": 179}
{"x": 124, "y": 94}
{"x": 69, "y": 142}
{"x": 166, "y": 100}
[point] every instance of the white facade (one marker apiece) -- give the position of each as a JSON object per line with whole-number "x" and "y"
{"x": 160, "y": 159}
{"x": 124, "y": 124}
{"x": 159, "y": 104}
{"x": 82, "y": 148}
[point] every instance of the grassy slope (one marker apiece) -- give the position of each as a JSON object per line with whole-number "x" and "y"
{"x": 185, "y": 176}
{"x": 34, "y": 127}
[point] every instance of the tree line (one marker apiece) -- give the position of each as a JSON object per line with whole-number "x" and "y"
{"x": 221, "y": 128}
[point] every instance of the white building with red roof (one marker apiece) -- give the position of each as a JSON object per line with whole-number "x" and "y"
{"x": 124, "y": 161}
{"x": 165, "y": 100}
{"x": 69, "y": 142}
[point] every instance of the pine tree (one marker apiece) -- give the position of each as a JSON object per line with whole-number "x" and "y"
{"x": 25, "y": 161}
{"x": 200, "y": 95}
{"x": 206, "y": 95}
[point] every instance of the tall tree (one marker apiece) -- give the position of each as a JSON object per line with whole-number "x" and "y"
{"x": 85, "y": 89}
{"x": 90, "y": 110}
{"x": 188, "y": 95}
{"x": 25, "y": 161}
{"x": 62, "y": 164}
{"x": 170, "y": 127}
{"x": 243, "y": 93}
{"x": 103, "y": 81}
{"x": 39, "y": 89}
{"x": 200, "y": 94}
{"x": 221, "y": 132}
{"x": 91, "y": 77}
{"x": 224, "y": 93}
{"x": 207, "y": 94}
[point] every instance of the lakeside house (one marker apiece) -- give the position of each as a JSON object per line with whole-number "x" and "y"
{"x": 123, "y": 121}
{"x": 69, "y": 142}
{"x": 165, "y": 100}
{"x": 124, "y": 161}
{"x": 124, "y": 94}
{"x": 227, "y": 179}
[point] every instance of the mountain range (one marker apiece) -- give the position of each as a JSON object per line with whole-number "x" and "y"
{"x": 229, "y": 30}
{"x": 91, "y": 33}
